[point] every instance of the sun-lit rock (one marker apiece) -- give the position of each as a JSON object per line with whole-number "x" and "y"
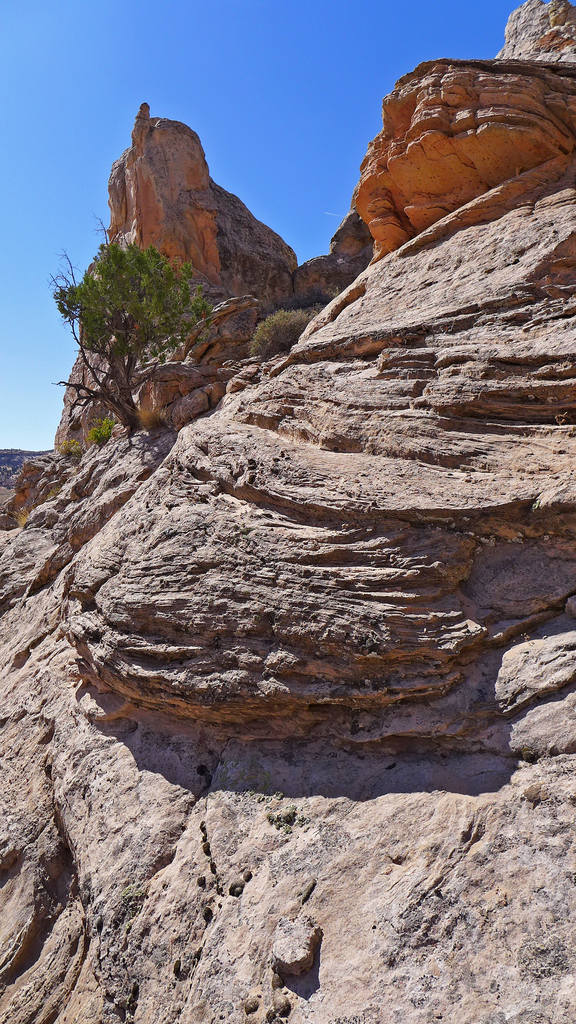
{"x": 305, "y": 668}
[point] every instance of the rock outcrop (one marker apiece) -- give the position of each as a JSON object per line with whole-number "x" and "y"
{"x": 351, "y": 249}
{"x": 460, "y": 136}
{"x": 541, "y": 31}
{"x": 161, "y": 194}
{"x": 289, "y": 696}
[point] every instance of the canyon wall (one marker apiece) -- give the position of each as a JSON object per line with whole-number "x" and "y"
{"x": 289, "y": 696}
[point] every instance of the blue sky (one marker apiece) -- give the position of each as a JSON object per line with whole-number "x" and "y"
{"x": 284, "y": 95}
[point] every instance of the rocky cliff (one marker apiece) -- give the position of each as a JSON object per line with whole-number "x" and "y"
{"x": 289, "y": 697}
{"x": 161, "y": 193}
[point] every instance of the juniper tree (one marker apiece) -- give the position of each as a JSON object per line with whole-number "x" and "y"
{"x": 130, "y": 311}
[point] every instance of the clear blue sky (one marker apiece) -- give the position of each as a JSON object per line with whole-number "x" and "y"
{"x": 285, "y": 95}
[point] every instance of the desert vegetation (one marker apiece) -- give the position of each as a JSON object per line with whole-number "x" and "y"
{"x": 131, "y": 309}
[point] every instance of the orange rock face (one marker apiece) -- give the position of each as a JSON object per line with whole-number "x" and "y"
{"x": 455, "y": 131}
{"x": 161, "y": 194}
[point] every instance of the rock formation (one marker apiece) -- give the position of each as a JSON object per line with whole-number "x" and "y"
{"x": 462, "y": 133}
{"x": 11, "y": 461}
{"x": 289, "y": 697}
{"x": 161, "y": 194}
{"x": 351, "y": 249}
{"x": 541, "y": 31}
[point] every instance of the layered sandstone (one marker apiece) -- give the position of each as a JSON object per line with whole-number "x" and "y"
{"x": 542, "y": 31}
{"x": 290, "y": 695}
{"x": 457, "y": 133}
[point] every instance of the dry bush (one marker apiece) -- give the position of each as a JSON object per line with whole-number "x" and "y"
{"x": 151, "y": 419}
{"x": 280, "y": 331}
{"x": 72, "y": 450}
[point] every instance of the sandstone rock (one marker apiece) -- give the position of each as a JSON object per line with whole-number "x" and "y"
{"x": 252, "y": 1004}
{"x": 295, "y": 945}
{"x": 535, "y": 668}
{"x": 161, "y": 194}
{"x": 541, "y": 31}
{"x": 351, "y": 250}
{"x": 11, "y": 461}
{"x": 338, "y": 603}
{"x": 457, "y": 131}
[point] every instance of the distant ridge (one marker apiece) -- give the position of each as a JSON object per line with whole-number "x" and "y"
{"x": 11, "y": 461}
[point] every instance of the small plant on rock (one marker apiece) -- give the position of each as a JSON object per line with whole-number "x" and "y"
{"x": 71, "y": 449}
{"x": 132, "y": 900}
{"x": 151, "y": 419}
{"x": 101, "y": 431}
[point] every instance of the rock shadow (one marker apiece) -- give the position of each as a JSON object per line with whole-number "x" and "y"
{"x": 200, "y": 758}
{"x": 306, "y": 985}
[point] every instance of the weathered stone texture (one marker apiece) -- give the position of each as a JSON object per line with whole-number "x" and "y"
{"x": 161, "y": 194}
{"x": 306, "y": 668}
{"x": 456, "y": 133}
{"x": 541, "y": 31}
{"x": 351, "y": 249}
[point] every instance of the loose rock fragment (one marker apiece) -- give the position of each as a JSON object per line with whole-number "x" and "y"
{"x": 295, "y": 945}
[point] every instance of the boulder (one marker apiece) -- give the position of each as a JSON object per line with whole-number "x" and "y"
{"x": 295, "y": 945}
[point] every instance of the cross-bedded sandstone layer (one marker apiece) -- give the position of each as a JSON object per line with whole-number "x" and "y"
{"x": 455, "y": 131}
{"x": 297, "y": 685}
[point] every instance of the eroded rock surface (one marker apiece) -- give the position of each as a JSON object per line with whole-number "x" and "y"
{"x": 295, "y": 945}
{"x": 351, "y": 250}
{"x": 309, "y": 663}
{"x": 461, "y": 136}
{"x": 542, "y": 31}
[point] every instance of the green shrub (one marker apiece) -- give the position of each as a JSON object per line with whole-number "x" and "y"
{"x": 280, "y": 331}
{"x": 101, "y": 431}
{"x": 72, "y": 450}
{"x": 130, "y": 311}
